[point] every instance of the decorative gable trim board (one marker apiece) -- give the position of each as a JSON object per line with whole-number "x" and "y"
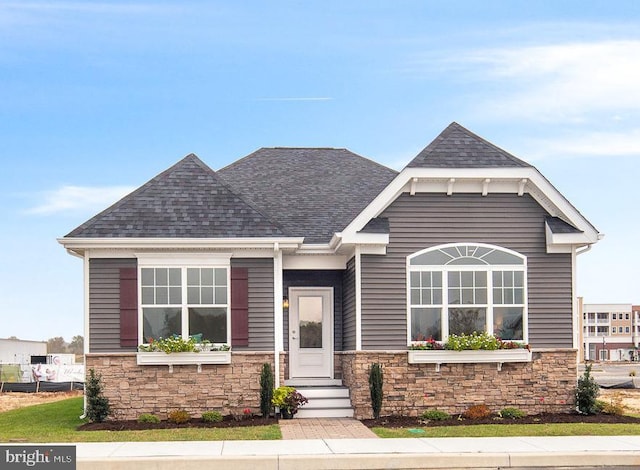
{"x": 471, "y": 180}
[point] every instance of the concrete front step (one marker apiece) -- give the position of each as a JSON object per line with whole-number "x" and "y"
{"x": 305, "y": 412}
{"x": 325, "y": 402}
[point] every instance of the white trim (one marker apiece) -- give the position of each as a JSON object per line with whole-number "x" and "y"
{"x": 278, "y": 314}
{"x": 366, "y": 238}
{"x": 497, "y": 356}
{"x": 503, "y": 180}
{"x": 314, "y": 262}
{"x": 87, "y": 318}
{"x": 358, "y": 280}
{"x": 329, "y": 353}
{"x": 78, "y": 244}
{"x": 184, "y": 259}
{"x": 489, "y": 306}
{"x": 575, "y": 314}
{"x": 184, "y": 305}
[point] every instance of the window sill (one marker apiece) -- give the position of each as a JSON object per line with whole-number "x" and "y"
{"x": 183, "y": 358}
{"x": 499, "y": 357}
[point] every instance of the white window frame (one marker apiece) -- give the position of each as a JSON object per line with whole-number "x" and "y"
{"x": 445, "y": 269}
{"x": 184, "y": 262}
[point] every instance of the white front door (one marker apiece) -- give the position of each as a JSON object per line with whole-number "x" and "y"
{"x": 310, "y": 332}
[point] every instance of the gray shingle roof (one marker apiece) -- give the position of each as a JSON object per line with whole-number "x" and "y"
{"x": 376, "y": 225}
{"x": 457, "y": 147}
{"x": 187, "y": 200}
{"x": 557, "y": 225}
{"x": 312, "y": 192}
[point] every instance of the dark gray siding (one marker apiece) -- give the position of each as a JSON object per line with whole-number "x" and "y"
{"x": 303, "y": 278}
{"x": 260, "y": 302}
{"x": 349, "y": 306}
{"x": 426, "y": 220}
{"x": 104, "y": 304}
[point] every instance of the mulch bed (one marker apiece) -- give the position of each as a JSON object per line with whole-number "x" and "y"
{"x": 385, "y": 422}
{"x": 133, "y": 425}
{"x": 412, "y": 422}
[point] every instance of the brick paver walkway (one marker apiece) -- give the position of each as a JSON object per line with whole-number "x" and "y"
{"x": 324, "y": 428}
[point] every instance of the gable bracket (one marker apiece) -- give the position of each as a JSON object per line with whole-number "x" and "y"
{"x": 450, "y": 186}
{"x": 485, "y": 186}
{"x": 414, "y": 183}
{"x": 521, "y": 185}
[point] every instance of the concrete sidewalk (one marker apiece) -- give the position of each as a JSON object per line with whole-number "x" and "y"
{"x": 586, "y": 452}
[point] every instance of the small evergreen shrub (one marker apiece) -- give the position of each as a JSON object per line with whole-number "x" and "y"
{"x": 435, "y": 415}
{"x": 179, "y": 416}
{"x": 98, "y": 407}
{"x": 266, "y": 390}
{"x": 148, "y": 418}
{"x": 375, "y": 388}
{"x": 512, "y": 413}
{"x": 587, "y": 393}
{"x": 211, "y": 417}
{"x": 477, "y": 412}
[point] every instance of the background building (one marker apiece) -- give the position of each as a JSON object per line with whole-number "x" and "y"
{"x": 610, "y": 332}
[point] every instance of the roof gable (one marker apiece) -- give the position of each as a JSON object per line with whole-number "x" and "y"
{"x": 188, "y": 200}
{"x": 312, "y": 192}
{"x": 457, "y": 147}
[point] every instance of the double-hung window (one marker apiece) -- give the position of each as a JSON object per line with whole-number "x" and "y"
{"x": 466, "y": 288}
{"x": 187, "y": 300}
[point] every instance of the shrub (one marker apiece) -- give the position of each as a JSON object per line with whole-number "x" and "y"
{"x": 477, "y": 412}
{"x": 211, "y": 417}
{"x": 512, "y": 413}
{"x": 613, "y": 407}
{"x": 375, "y": 388}
{"x": 586, "y": 393}
{"x": 148, "y": 418}
{"x": 266, "y": 390}
{"x": 98, "y": 408}
{"x": 179, "y": 416}
{"x": 435, "y": 415}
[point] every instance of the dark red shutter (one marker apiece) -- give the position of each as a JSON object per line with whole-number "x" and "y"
{"x": 239, "y": 307}
{"x": 128, "y": 307}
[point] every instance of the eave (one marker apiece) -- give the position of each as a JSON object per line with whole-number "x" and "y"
{"x": 78, "y": 246}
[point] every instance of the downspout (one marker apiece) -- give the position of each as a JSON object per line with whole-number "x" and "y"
{"x": 278, "y": 314}
{"x": 577, "y": 316}
{"x": 86, "y": 327}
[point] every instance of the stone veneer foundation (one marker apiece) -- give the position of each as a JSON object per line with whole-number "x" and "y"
{"x": 133, "y": 389}
{"x": 547, "y": 384}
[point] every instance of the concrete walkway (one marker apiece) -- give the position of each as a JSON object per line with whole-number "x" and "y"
{"x": 324, "y": 428}
{"x": 580, "y": 452}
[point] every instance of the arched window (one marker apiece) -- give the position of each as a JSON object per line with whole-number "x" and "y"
{"x": 466, "y": 287}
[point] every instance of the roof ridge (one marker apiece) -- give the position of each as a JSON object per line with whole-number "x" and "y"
{"x": 424, "y": 155}
{"x": 137, "y": 191}
{"x": 159, "y": 177}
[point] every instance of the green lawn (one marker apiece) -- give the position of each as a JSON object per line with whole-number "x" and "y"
{"x": 507, "y": 430}
{"x": 57, "y": 422}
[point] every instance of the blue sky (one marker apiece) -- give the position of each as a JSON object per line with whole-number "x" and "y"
{"x": 96, "y": 98}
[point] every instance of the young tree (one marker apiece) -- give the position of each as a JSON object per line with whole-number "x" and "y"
{"x": 56, "y": 345}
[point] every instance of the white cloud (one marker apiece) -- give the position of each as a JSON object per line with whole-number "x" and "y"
{"x": 594, "y": 144}
{"x": 569, "y": 81}
{"x": 78, "y": 199}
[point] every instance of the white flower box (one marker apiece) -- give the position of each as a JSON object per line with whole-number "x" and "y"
{"x": 183, "y": 358}
{"x": 442, "y": 356}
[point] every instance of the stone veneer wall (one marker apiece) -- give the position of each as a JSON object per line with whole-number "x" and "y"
{"x": 547, "y": 384}
{"x": 133, "y": 389}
